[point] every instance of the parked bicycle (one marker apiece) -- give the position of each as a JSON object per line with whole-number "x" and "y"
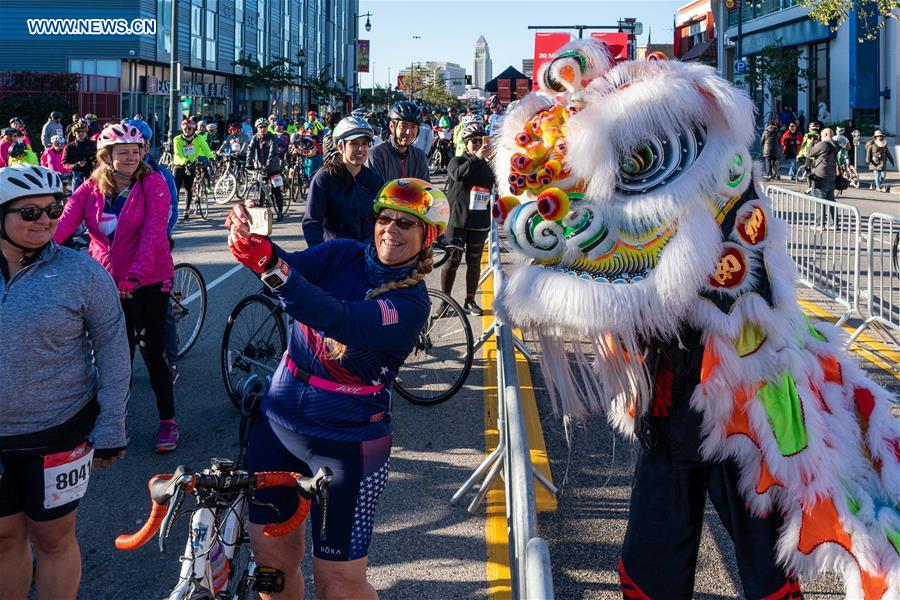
{"x": 255, "y": 339}
{"x": 218, "y": 562}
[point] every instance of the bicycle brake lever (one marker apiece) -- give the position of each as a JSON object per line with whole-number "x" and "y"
{"x": 174, "y": 506}
{"x": 256, "y": 502}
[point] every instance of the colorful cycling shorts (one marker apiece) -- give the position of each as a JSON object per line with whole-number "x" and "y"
{"x": 360, "y": 473}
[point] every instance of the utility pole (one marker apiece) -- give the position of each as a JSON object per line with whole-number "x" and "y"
{"x": 173, "y": 65}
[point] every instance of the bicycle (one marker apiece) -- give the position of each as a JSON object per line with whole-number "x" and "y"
{"x": 166, "y": 159}
{"x": 200, "y": 189}
{"x": 188, "y": 301}
{"x": 262, "y": 191}
{"x": 255, "y": 339}
{"x": 229, "y": 179}
{"x": 297, "y": 184}
{"x": 218, "y": 562}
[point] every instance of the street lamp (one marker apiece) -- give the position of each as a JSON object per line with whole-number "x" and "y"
{"x": 301, "y": 62}
{"x": 368, "y": 27}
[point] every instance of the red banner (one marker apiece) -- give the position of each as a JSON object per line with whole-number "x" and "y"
{"x": 503, "y": 90}
{"x": 617, "y": 43}
{"x": 545, "y": 47}
{"x": 362, "y": 56}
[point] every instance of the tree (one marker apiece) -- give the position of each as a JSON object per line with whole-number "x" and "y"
{"x": 324, "y": 90}
{"x": 776, "y": 70}
{"x": 381, "y": 97}
{"x": 277, "y": 75}
{"x": 872, "y": 14}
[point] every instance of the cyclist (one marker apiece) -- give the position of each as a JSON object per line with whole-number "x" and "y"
{"x": 312, "y": 155}
{"x": 201, "y": 130}
{"x": 18, "y": 124}
{"x": 425, "y": 139}
{"x": 52, "y": 127}
{"x": 80, "y": 155}
{"x": 70, "y": 135}
{"x": 63, "y": 409}
{"x": 212, "y": 137}
{"x": 262, "y": 154}
{"x": 20, "y": 153}
{"x": 188, "y": 148}
{"x": 358, "y": 311}
{"x": 312, "y": 126}
{"x": 396, "y": 157}
{"x": 235, "y": 142}
{"x": 495, "y": 107}
{"x": 125, "y": 206}
{"x": 52, "y": 158}
{"x": 331, "y": 119}
{"x": 470, "y": 180}
{"x": 283, "y": 137}
{"x": 459, "y": 143}
{"x": 341, "y": 193}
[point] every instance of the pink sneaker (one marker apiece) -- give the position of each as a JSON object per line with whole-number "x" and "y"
{"x": 166, "y": 438}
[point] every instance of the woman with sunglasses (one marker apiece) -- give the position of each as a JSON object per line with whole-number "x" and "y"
{"x": 358, "y": 311}
{"x": 125, "y": 206}
{"x": 469, "y": 192}
{"x": 62, "y": 407}
{"x": 339, "y": 202}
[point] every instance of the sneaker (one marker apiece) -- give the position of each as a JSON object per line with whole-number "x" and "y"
{"x": 473, "y": 309}
{"x": 185, "y": 216}
{"x": 166, "y": 438}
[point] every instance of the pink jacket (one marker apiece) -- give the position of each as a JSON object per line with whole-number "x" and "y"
{"x": 53, "y": 161}
{"x": 140, "y": 247}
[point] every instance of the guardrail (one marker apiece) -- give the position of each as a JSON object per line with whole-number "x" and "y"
{"x": 883, "y": 275}
{"x": 529, "y": 557}
{"x": 827, "y": 257}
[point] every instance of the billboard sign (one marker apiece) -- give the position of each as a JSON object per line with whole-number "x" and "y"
{"x": 616, "y": 42}
{"x": 362, "y": 56}
{"x": 545, "y": 47}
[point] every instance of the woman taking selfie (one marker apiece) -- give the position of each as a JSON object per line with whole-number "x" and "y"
{"x": 359, "y": 309}
{"x": 125, "y": 206}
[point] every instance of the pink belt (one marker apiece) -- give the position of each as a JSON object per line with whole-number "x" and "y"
{"x": 329, "y": 386}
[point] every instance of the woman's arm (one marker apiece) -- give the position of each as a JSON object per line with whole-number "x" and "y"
{"x": 73, "y": 213}
{"x": 105, "y": 325}
{"x": 154, "y": 242}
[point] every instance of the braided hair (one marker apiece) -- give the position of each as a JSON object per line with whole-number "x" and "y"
{"x": 424, "y": 266}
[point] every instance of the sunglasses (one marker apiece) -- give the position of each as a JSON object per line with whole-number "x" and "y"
{"x": 404, "y": 224}
{"x": 33, "y": 213}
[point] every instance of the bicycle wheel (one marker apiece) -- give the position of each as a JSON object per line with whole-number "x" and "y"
{"x": 853, "y": 176}
{"x": 253, "y": 193}
{"x": 225, "y": 189}
{"x": 202, "y": 199}
{"x": 254, "y": 341}
{"x": 441, "y": 360}
{"x": 801, "y": 173}
{"x": 188, "y": 303}
{"x": 439, "y": 254}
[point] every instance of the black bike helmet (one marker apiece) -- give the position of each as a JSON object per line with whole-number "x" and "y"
{"x": 406, "y": 111}
{"x": 56, "y": 115}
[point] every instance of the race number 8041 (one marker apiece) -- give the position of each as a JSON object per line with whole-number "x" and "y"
{"x": 66, "y": 475}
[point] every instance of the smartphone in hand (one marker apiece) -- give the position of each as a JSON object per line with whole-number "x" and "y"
{"x": 260, "y": 220}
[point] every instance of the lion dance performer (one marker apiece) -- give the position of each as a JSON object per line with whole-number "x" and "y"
{"x": 658, "y": 286}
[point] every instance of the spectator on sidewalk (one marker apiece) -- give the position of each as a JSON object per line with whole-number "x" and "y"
{"x": 823, "y": 168}
{"x": 769, "y": 142}
{"x": 791, "y": 140}
{"x": 877, "y": 157}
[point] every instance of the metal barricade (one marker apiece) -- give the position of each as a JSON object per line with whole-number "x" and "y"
{"x": 529, "y": 557}
{"x": 883, "y": 276}
{"x": 826, "y": 254}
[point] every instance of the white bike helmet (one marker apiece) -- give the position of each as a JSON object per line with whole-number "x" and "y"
{"x": 350, "y": 128}
{"x": 23, "y": 181}
{"x": 57, "y": 139}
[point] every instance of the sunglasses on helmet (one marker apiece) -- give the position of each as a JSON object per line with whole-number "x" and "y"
{"x": 33, "y": 213}
{"x": 385, "y": 220}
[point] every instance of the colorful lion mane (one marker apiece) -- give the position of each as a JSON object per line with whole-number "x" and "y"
{"x": 629, "y": 193}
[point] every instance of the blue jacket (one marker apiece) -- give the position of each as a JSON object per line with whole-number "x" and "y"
{"x": 173, "y": 191}
{"x": 334, "y": 212}
{"x": 325, "y": 293}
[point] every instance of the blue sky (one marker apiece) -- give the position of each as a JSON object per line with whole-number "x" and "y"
{"x": 449, "y": 30}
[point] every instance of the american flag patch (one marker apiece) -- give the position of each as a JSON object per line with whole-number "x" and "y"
{"x": 389, "y": 314}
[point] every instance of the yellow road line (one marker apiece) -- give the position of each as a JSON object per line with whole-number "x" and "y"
{"x": 495, "y": 531}
{"x": 875, "y": 351}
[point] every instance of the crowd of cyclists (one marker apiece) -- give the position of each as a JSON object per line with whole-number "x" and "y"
{"x": 357, "y": 296}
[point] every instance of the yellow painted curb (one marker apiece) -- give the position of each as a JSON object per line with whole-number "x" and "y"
{"x": 496, "y": 534}
{"x": 875, "y": 351}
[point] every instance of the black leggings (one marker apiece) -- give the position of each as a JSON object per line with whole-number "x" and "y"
{"x": 473, "y": 241}
{"x": 145, "y": 323}
{"x": 183, "y": 179}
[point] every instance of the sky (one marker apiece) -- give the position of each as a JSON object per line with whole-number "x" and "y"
{"x": 447, "y": 31}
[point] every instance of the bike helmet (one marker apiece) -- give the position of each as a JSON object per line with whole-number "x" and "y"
{"x": 420, "y": 199}
{"x": 472, "y": 130}
{"x": 188, "y": 122}
{"x": 201, "y": 123}
{"x": 15, "y": 120}
{"x": 296, "y": 137}
{"x": 212, "y": 127}
{"x": 350, "y": 128}
{"x": 492, "y": 102}
{"x": 25, "y": 181}
{"x": 141, "y": 126}
{"x": 56, "y": 115}
{"x": 815, "y": 126}
{"x": 308, "y": 142}
{"x": 17, "y": 150}
{"x": 233, "y": 128}
{"x": 359, "y": 112}
{"x": 839, "y": 130}
{"x": 310, "y": 112}
{"x": 10, "y": 131}
{"x": 80, "y": 126}
{"x": 119, "y": 134}
{"x": 57, "y": 139}
{"x": 260, "y": 122}
{"x": 280, "y": 123}
{"x": 406, "y": 111}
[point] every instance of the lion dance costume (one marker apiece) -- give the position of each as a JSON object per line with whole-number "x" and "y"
{"x": 657, "y": 283}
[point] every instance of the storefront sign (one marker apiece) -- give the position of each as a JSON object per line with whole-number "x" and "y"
{"x": 362, "y": 56}
{"x": 545, "y": 47}
{"x": 208, "y": 90}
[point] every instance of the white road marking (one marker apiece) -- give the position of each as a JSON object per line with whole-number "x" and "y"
{"x": 213, "y": 284}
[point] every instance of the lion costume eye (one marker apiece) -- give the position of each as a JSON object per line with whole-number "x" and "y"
{"x": 657, "y": 161}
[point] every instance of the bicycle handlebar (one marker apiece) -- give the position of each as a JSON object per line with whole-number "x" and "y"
{"x": 164, "y": 487}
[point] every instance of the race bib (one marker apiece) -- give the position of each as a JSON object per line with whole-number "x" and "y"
{"x": 188, "y": 151}
{"x": 66, "y": 475}
{"x": 235, "y": 145}
{"x": 277, "y": 180}
{"x": 479, "y": 198}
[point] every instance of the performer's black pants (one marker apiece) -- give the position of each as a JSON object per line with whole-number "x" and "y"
{"x": 659, "y": 555}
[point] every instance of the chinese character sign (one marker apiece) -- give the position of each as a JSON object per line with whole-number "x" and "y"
{"x": 362, "y": 56}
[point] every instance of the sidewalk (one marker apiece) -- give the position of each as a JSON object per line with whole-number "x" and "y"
{"x": 865, "y": 198}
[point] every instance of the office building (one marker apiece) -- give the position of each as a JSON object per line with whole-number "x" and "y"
{"x": 481, "y": 64}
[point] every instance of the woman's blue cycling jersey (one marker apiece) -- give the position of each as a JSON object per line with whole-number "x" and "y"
{"x": 325, "y": 293}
